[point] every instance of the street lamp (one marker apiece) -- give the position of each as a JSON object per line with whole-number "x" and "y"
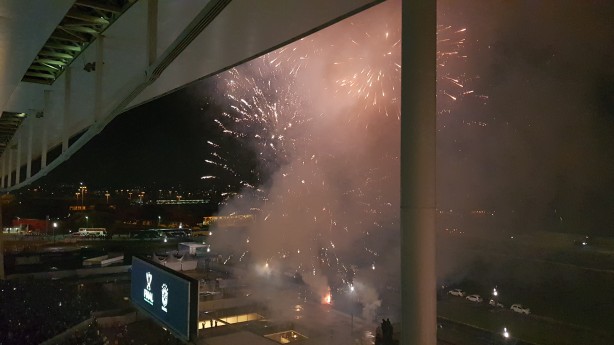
{"x": 107, "y": 195}
{"x": 159, "y": 219}
{"x": 87, "y": 221}
{"x": 83, "y": 190}
{"x": 494, "y": 301}
{"x": 55, "y": 225}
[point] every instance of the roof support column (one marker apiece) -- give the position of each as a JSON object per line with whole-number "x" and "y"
{"x": 66, "y": 112}
{"x": 10, "y": 159}
{"x": 30, "y": 137}
{"x": 152, "y": 31}
{"x": 99, "y": 79}
{"x": 46, "y": 120}
{"x": 18, "y": 160}
{"x": 2, "y": 172}
{"x": 418, "y": 202}
{"x": 7, "y": 168}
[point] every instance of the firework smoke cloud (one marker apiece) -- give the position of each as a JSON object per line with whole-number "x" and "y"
{"x": 322, "y": 117}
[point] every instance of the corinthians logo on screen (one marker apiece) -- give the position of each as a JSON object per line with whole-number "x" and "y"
{"x": 147, "y": 294}
{"x": 164, "y": 296}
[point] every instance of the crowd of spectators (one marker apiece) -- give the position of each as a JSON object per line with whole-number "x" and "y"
{"x": 32, "y": 311}
{"x": 90, "y": 336}
{"x": 143, "y": 332}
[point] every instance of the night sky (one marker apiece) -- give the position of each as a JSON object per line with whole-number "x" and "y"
{"x": 540, "y": 142}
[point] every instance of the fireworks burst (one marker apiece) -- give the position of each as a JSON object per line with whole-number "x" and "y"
{"x": 261, "y": 116}
{"x": 323, "y": 189}
{"x": 450, "y": 83}
{"x": 369, "y": 66}
{"x": 454, "y": 83}
{"x": 294, "y": 58}
{"x": 264, "y": 111}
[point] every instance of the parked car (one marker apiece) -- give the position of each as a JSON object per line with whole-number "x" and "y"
{"x": 520, "y": 309}
{"x": 456, "y": 292}
{"x": 495, "y": 304}
{"x": 474, "y": 298}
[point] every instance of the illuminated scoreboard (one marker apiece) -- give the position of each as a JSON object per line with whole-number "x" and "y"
{"x": 170, "y": 297}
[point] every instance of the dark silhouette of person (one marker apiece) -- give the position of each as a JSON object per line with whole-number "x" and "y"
{"x": 379, "y": 338}
{"x": 387, "y": 331}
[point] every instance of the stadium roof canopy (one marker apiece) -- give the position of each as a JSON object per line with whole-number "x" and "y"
{"x": 69, "y": 67}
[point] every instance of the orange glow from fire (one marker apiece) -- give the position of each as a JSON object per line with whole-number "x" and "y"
{"x": 327, "y": 299}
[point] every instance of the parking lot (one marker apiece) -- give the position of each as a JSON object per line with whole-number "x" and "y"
{"x": 481, "y": 323}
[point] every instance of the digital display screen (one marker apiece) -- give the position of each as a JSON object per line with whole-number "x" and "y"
{"x": 168, "y": 296}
